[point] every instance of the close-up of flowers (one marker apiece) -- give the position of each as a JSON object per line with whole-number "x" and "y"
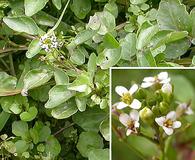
{"x": 127, "y": 97}
{"x": 150, "y": 109}
{"x": 58, "y": 95}
{"x": 49, "y": 42}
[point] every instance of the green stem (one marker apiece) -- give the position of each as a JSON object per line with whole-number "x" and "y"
{"x": 149, "y": 138}
{"x": 13, "y": 49}
{"x": 4, "y": 63}
{"x": 162, "y": 146}
{"x": 12, "y": 65}
{"x": 62, "y": 129}
{"x": 60, "y": 19}
{"x": 137, "y": 152}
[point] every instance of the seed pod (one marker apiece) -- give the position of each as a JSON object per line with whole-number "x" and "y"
{"x": 163, "y": 106}
{"x": 146, "y": 115}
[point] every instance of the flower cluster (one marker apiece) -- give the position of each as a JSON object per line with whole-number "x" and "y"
{"x": 49, "y": 42}
{"x": 159, "y": 112}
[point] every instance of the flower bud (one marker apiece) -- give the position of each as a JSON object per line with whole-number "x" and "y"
{"x": 167, "y": 88}
{"x": 96, "y": 99}
{"x": 4, "y": 137}
{"x": 163, "y": 106}
{"x": 103, "y": 104}
{"x": 141, "y": 94}
{"x": 155, "y": 110}
{"x": 146, "y": 115}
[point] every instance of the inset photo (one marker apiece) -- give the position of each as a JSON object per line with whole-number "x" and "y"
{"x": 153, "y": 114}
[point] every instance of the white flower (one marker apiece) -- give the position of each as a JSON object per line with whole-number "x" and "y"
{"x": 131, "y": 121}
{"x": 49, "y": 42}
{"x": 167, "y": 88}
{"x": 126, "y": 97}
{"x": 168, "y": 122}
{"x": 161, "y": 78}
{"x": 184, "y": 108}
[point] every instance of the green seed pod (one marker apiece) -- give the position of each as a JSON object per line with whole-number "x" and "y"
{"x": 163, "y": 106}
{"x": 156, "y": 110}
{"x": 96, "y": 99}
{"x": 141, "y": 94}
{"x": 146, "y": 115}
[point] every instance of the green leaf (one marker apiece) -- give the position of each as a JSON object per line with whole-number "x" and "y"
{"x": 104, "y": 103}
{"x": 33, "y": 48}
{"x": 192, "y": 15}
{"x": 40, "y": 132}
{"x": 105, "y": 129}
{"x": 64, "y": 110}
{"x": 143, "y": 146}
{"x": 177, "y": 48}
{"x": 44, "y": 133}
{"x": 101, "y": 0}
{"x": 164, "y": 37}
{"x": 193, "y": 61}
{"x": 33, "y": 6}
{"x": 110, "y": 42}
{"x": 7, "y": 81}
{"x": 34, "y": 135}
{"x": 109, "y": 58}
{"x": 145, "y": 36}
{"x": 81, "y": 84}
{"x": 172, "y": 15}
{"x": 128, "y": 46}
{"x": 21, "y": 146}
{"x": 61, "y": 78}
{"x": 89, "y": 141}
{"x": 29, "y": 115}
{"x": 40, "y": 93}
{"x": 36, "y": 78}
{"x": 99, "y": 154}
{"x": 22, "y": 24}
{"x": 19, "y": 128}
{"x": 81, "y": 8}
{"x": 80, "y": 38}
{"x": 146, "y": 59}
{"x": 138, "y": 1}
{"x": 52, "y": 146}
{"x": 78, "y": 56}
{"x": 81, "y": 103}
{"x": 181, "y": 83}
{"x": 84, "y": 36}
{"x": 44, "y": 19}
{"x": 8, "y": 84}
{"x": 14, "y": 104}
{"x": 90, "y": 119}
{"x": 57, "y": 4}
{"x": 91, "y": 66}
{"x": 174, "y": 36}
{"x": 4, "y": 116}
{"x": 112, "y": 8}
{"x": 102, "y": 22}
{"x": 58, "y": 95}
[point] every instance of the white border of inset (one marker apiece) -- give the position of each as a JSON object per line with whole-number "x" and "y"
{"x": 131, "y": 68}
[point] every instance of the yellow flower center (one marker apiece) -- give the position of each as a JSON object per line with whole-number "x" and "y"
{"x": 126, "y": 98}
{"x": 130, "y": 124}
{"x": 47, "y": 41}
{"x": 168, "y": 123}
{"x": 156, "y": 79}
